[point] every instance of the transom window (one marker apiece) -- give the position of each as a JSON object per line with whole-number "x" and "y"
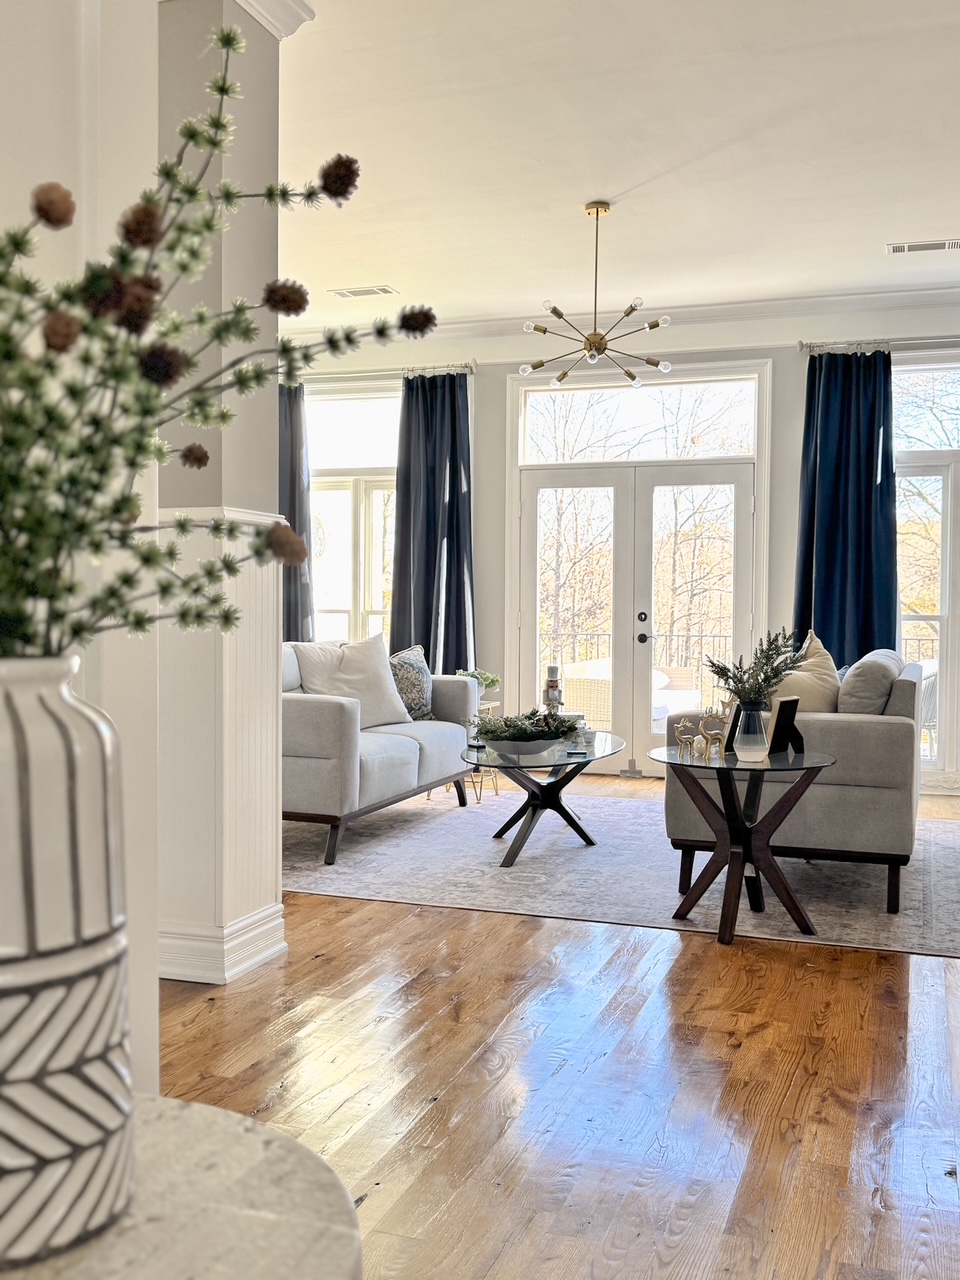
{"x": 663, "y": 422}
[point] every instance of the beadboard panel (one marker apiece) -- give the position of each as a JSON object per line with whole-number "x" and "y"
{"x": 220, "y": 777}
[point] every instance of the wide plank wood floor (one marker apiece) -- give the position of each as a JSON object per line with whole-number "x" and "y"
{"x": 514, "y": 1098}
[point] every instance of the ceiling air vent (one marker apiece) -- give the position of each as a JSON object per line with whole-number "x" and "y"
{"x": 362, "y": 291}
{"x": 923, "y": 246}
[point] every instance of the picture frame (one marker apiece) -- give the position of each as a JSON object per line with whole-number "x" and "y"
{"x": 783, "y": 727}
{"x": 733, "y": 723}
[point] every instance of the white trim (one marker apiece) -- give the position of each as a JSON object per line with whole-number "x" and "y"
{"x": 723, "y": 313}
{"x": 218, "y": 954}
{"x": 360, "y": 385}
{"x": 221, "y": 513}
{"x": 280, "y": 17}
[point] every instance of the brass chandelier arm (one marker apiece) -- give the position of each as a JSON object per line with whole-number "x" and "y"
{"x": 644, "y": 328}
{"x": 652, "y": 361}
{"x": 631, "y": 377}
{"x": 563, "y": 356}
{"x": 572, "y": 326}
{"x": 554, "y": 334}
{"x": 567, "y": 372}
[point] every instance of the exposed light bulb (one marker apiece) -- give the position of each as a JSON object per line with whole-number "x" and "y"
{"x": 665, "y": 366}
{"x": 664, "y": 321}
{"x": 592, "y": 357}
{"x": 555, "y": 382}
{"x": 528, "y": 327}
{"x": 547, "y": 304}
{"x": 637, "y": 303}
{"x": 526, "y": 368}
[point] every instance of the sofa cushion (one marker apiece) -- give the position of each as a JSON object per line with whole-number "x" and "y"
{"x": 439, "y": 744}
{"x": 360, "y": 671}
{"x": 866, "y": 686}
{"x": 388, "y": 767}
{"x": 815, "y": 681}
{"x": 414, "y": 682}
{"x": 290, "y": 670}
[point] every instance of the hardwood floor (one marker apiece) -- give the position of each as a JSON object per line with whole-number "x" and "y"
{"x": 514, "y": 1098}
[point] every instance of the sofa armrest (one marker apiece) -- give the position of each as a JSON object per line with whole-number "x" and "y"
{"x": 455, "y": 698}
{"x": 321, "y": 727}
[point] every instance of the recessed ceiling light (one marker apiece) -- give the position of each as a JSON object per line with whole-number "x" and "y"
{"x": 363, "y": 291}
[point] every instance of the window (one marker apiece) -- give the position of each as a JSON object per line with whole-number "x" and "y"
{"x": 926, "y": 423}
{"x": 662, "y": 423}
{"x": 353, "y": 458}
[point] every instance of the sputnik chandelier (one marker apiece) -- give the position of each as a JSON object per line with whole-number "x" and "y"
{"x": 595, "y": 345}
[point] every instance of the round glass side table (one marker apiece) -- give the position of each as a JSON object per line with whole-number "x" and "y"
{"x": 742, "y": 834}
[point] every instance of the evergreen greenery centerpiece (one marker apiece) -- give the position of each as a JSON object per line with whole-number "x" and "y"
{"x": 92, "y": 370}
{"x": 531, "y": 731}
{"x": 772, "y": 659}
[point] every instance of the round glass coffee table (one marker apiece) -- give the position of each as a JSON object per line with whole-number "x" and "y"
{"x": 563, "y": 761}
{"x": 742, "y": 835}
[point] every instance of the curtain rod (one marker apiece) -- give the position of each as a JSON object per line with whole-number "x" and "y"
{"x": 878, "y": 344}
{"x": 469, "y": 366}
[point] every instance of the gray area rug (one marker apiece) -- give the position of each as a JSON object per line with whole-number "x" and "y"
{"x": 433, "y": 853}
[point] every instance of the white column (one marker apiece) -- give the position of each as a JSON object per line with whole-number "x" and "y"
{"x": 220, "y": 907}
{"x": 78, "y": 92}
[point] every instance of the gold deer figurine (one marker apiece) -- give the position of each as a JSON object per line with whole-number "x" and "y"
{"x": 713, "y": 727}
{"x": 685, "y": 735}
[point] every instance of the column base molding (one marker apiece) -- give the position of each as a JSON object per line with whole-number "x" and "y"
{"x": 216, "y": 955}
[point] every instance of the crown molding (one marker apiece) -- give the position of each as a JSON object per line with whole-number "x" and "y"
{"x": 280, "y": 17}
{"x": 473, "y": 330}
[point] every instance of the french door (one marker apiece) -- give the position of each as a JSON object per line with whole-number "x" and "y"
{"x": 630, "y": 576}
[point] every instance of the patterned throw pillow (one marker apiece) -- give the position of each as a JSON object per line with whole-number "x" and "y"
{"x": 414, "y": 682}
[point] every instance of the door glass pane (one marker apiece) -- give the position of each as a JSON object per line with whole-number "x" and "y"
{"x": 919, "y": 548}
{"x": 692, "y": 615}
{"x": 332, "y": 548}
{"x": 575, "y": 597}
{"x": 926, "y": 408}
{"x": 658, "y": 423}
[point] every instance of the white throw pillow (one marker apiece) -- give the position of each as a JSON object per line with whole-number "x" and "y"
{"x": 866, "y": 686}
{"x": 360, "y": 671}
{"x": 815, "y": 682}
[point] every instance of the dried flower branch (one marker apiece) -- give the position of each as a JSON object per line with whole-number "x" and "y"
{"x": 92, "y": 370}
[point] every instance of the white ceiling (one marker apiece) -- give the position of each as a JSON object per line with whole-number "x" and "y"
{"x": 751, "y": 150}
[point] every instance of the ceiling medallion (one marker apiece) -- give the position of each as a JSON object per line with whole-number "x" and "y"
{"x": 596, "y": 345}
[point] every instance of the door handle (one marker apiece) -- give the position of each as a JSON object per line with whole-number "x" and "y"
{"x": 643, "y": 637}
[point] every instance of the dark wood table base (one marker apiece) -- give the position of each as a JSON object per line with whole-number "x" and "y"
{"x": 542, "y": 795}
{"x": 743, "y": 842}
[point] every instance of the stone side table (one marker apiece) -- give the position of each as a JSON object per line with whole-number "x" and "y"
{"x": 222, "y": 1197}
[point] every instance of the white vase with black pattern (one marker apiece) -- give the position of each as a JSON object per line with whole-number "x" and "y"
{"x": 66, "y": 1158}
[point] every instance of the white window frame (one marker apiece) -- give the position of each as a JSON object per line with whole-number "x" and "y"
{"x": 944, "y": 773}
{"x": 713, "y": 371}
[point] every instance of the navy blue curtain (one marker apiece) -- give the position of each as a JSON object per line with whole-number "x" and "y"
{"x": 295, "y": 508}
{"x": 432, "y": 602}
{"x": 846, "y": 587}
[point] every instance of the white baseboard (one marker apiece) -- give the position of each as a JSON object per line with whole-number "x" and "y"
{"x": 205, "y": 953}
{"x": 935, "y": 783}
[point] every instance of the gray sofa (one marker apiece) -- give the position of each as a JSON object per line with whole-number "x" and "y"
{"x": 334, "y": 772}
{"x": 861, "y": 809}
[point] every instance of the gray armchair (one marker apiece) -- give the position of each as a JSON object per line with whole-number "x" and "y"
{"x": 862, "y": 809}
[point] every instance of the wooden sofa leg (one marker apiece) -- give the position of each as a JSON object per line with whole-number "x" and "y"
{"x": 333, "y": 842}
{"x": 461, "y": 792}
{"x": 893, "y": 888}
{"x": 686, "y": 869}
